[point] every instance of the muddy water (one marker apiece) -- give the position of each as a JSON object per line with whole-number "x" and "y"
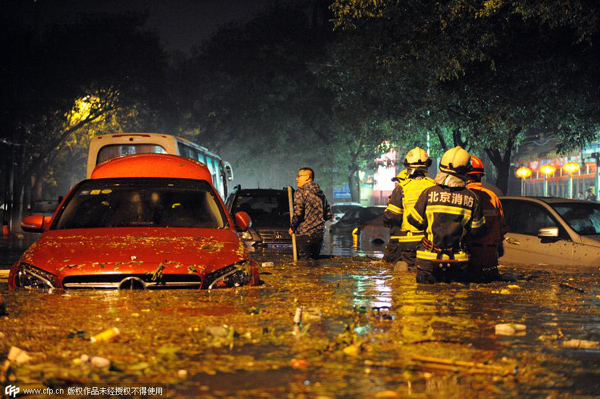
{"x": 364, "y": 333}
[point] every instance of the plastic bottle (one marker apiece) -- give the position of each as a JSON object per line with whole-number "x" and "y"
{"x": 105, "y": 335}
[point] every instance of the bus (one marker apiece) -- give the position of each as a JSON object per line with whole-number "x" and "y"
{"x": 107, "y": 146}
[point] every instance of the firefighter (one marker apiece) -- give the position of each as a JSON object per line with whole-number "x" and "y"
{"x": 404, "y": 237}
{"x": 448, "y": 212}
{"x": 486, "y": 248}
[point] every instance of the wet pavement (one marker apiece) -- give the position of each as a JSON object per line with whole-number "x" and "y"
{"x": 365, "y": 331}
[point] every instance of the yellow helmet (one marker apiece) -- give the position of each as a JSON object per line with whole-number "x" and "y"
{"x": 456, "y": 161}
{"x": 417, "y": 158}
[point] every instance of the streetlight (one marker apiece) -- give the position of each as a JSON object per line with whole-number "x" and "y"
{"x": 570, "y": 168}
{"x": 547, "y": 170}
{"x": 523, "y": 172}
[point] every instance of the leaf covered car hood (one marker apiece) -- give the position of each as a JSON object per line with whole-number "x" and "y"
{"x": 135, "y": 250}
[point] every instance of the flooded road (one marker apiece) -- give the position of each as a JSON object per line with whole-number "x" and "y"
{"x": 365, "y": 331}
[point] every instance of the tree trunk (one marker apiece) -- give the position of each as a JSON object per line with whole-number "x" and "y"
{"x": 440, "y": 136}
{"x": 502, "y": 162}
{"x": 458, "y": 140}
{"x": 354, "y": 183}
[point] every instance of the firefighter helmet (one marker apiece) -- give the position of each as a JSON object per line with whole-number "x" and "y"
{"x": 417, "y": 158}
{"x": 456, "y": 161}
{"x": 476, "y": 166}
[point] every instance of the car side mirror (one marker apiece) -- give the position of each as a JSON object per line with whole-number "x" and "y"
{"x": 36, "y": 223}
{"x": 548, "y": 234}
{"x": 242, "y": 221}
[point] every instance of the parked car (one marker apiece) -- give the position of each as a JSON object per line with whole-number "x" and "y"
{"x": 270, "y": 213}
{"x": 552, "y": 231}
{"x": 356, "y": 217}
{"x": 142, "y": 221}
{"x": 373, "y": 235}
{"x": 339, "y": 209}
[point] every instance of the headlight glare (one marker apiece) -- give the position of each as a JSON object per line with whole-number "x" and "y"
{"x": 246, "y": 235}
{"x": 32, "y": 277}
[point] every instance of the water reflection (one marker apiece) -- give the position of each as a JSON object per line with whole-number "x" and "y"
{"x": 240, "y": 342}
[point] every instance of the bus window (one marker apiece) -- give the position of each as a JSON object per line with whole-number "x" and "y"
{"x": 201, "y": 158}
{"x": 121, "y": 150}
{"x": 211, "y": 167}
{"x": 186, "y": 152}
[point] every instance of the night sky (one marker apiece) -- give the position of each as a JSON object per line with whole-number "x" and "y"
{"x": 182, "y": 24}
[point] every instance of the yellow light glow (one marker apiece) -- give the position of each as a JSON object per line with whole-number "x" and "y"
{"x": 82, "y": 109}
{"x": 571, "y": 167}
{"x": 548, "y": 169}
{"x": 523, "y": 172}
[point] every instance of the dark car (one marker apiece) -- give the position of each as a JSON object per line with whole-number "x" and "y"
{"x": 374, "y": 235}
{"x": 270, "y": 214}
{"x": 356, "y": 217}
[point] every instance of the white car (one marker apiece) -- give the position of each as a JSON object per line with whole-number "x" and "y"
{"x": 339, "y": 209}
{"x": 551, "y": 231}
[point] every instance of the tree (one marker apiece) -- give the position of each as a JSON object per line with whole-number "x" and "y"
{"x": 489, "y": 72}
{"x": 69, "y": 78}
{"x": 250, "y": 95}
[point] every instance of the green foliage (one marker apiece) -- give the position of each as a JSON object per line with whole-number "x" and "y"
{"x": 91, "y": 76}
{"x": 488, "y": 71}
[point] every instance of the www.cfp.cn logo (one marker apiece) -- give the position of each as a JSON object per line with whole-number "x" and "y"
{"x": 11, "y": 390}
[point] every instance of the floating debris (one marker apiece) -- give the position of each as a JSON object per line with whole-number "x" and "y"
{"x": 510, "y": 329}
{"x": 106, "y": 335}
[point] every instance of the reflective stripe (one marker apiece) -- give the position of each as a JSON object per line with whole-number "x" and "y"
{"x": 394, "y": 208}
{"x": 454, "y": 210}
{"x": 416, "y": 215}
{"x": 459, "y": 256}
{"x": 411, "y": 191}
{"x": 475, "y": 224}
{"x": 409, "y": 238}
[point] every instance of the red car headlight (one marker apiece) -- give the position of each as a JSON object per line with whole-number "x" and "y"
{"x": 31, "y": 277}
{"x": 231, "y": 276}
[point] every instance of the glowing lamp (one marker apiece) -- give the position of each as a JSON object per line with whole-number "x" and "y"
{"x": 548, "y": 169}
{"x": 523, "y": 172}
{"x": 571, "y": 167}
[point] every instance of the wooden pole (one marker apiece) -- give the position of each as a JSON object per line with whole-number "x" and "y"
{"x": 291, "y": 202}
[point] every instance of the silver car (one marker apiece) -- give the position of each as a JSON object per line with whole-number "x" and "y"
{"x": 551, "y": 231}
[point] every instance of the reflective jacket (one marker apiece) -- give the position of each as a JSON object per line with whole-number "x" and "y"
{"x": 401, "y": 202}
{"x": 494, "y": 216}
{"x": 448, "y": 215}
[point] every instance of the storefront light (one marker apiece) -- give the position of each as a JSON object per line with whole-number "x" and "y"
{"x": 523, "y": 172}
{"x": 571, "y": 167}
{"x": 548, "y": 170}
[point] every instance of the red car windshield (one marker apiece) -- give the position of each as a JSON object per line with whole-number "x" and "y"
{"x": 142, "y": 203}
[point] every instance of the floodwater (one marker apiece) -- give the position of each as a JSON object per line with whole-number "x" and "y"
{"x": 365, "y": 331}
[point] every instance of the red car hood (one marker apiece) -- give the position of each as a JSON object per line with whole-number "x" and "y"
{"x": 135, "y": 250}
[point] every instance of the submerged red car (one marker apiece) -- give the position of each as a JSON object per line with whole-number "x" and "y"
{"x": 142, "y": 221}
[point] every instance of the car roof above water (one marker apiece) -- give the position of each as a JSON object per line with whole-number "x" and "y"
{"x": 547, "y": 200}
{"x": 152, "y": 165}
{"x": 261, "y": 191}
